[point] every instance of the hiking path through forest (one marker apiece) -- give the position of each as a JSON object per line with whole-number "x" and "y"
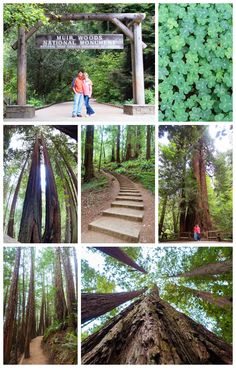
{"x": 37, "y": 356}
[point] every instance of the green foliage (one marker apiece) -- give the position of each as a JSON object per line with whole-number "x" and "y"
{"x": 100, "y": 182}
{"x": 150, "y": 96}
{"x": 22, "y": 15}
{"x": 56, "y": 326}
{"x": 195, "y": 62}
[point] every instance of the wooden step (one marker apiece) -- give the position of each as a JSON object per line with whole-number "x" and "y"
{"x": 119, "y": 228}
{"x": 135, "y": 199}
{"x": 130, "y": 194}
{"x": 125, "y": 213}
{"x": 127, "y": 187}
{"x": 128, "y": 204}
{"x": 129, "y": 190}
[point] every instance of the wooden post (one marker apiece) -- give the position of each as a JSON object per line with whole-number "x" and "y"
{"x": 138, "y": 64}
{"x": 21, "y": 68}
{"x": 133, "y": 72}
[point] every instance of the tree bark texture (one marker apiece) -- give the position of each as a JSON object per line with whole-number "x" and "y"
{"x": 163, "y": 212}
{"x": 128, "y": 154}
{"x": 30, "y": 227}
{"x": 148, "y": 143}
{"x": 70, "y": 288}
{"x": 52, "y": 232}
{"x": 150, "y": 331}
{"x": 220, "y": 301}
{"x": 201, "y": 208}
{"x": 137, "y": 141}
{"x": 30, "y": 310}
{"x": 88, "y": 160}
{"x": 11, "y": 309}
{"x": 60, "y": 302}
{"x": 209, "y": 269}
{"x": 118, "y": 145}
{"x": 10, "y": 227}
{"x": 121, "y": 256}
{"x": 95, "y": 305}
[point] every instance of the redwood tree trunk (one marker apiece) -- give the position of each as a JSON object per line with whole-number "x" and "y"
{"x": 60, "y": 302}
{"x": 52, "y": 232}
{"x": 128, "y": 154}
{"x": 150, "y": 331}
{"x": 94, "y": 305}
{"x": 10, "y": 227}
{"x": 209, "y": 269}
{"x": 163, "y": 212}
{"x": 148, "y": 143}
{"x": 30, "y": 226}
{"x": 220, "y": 301}
{"x": 121, "y": 256}
{"x": 88, "y": 160}
{"x": 118, "y": 145}
{"x": 202, "y": 214}
{"x": 70, "y": 288}
{"x": 11, "y": 309}
{"x": 30, "y": 311}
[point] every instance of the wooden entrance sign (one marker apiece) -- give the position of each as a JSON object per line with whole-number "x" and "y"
{"x": 85, "y": 42}
{"x": 132, "y": 29}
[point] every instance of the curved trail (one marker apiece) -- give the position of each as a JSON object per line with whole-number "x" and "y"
{"x": 125, "y": 220}
{"x": 37, "y": 355}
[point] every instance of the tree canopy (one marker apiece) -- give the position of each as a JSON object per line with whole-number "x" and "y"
{"x": 104, "y": 274}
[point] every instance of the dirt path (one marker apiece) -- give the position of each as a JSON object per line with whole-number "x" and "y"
{"x": 103, "y": 113}
{"x": 122, "y": 213}
{"x": 37, "y": 355}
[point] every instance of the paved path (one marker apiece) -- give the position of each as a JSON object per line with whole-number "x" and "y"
{"x": 37, "y": 355}
{"x": 122, "y": 222}
{"x": 104, "y": 113}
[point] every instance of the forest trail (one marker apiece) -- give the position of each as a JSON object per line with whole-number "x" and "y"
{"x": 103, "y": 113}
{"x": 123, "y": 221}
{"x": 37, "y": 355}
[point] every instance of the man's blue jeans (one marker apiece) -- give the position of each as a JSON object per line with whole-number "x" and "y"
{"x": 89, "y": 109}
{"x": 78, "y": 102}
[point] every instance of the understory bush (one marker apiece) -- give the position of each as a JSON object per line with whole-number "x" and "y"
{"x": 195, "y": 62}
{"x": 138, "y": 170}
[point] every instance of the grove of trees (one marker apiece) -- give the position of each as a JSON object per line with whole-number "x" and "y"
{"x": 40, "y": 299}
{"x": 50, "y": 72}
{"x": 125, "y": 149}
{"x": 40, "y": 184}
{"x": 195, "y": 180}
{"x": 158, "y": 305}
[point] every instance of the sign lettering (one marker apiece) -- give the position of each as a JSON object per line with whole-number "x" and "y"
{"x": 87, "y": 42}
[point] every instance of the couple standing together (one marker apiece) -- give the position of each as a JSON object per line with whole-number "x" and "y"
{"x": 82, "y": 87}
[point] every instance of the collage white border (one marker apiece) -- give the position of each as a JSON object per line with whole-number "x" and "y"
{"x": 154, "y": 122}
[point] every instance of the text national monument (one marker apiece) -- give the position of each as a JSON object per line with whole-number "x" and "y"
{"x": 89, "y": 41}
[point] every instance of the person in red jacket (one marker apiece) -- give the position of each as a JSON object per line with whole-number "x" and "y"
{"x": 78, "y": 95}
{"x": 197, "y": 232}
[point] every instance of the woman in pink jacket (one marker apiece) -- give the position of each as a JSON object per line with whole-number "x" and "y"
{"x": 87, "y": 91}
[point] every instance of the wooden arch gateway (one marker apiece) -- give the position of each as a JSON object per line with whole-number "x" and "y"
{"x": 133, "y": 31}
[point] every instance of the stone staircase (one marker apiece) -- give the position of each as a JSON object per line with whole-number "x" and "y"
{"x": 123, "y": 219}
